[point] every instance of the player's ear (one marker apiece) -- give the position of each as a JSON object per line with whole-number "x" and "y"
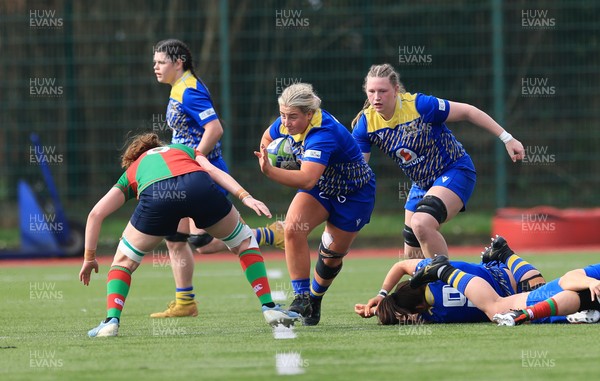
{"x": 179, "y": 64}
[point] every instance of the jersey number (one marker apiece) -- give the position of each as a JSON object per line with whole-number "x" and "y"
{"x": 451, "y": 297}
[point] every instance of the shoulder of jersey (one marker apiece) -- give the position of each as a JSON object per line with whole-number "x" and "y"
{"x": 407, "y": 113}
{"x": 179, "y": 89}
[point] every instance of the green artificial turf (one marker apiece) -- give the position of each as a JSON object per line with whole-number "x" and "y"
{"x": 46, "y": 313}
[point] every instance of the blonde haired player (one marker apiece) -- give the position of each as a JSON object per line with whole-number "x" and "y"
{"x": 335, "y": 185}
{"x": 411, "y": 129}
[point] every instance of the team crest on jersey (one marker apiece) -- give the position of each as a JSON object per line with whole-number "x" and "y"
{"x": 407, "y": 156}
{"x": 158, "y": 150}
{"x": 411, "y": 128}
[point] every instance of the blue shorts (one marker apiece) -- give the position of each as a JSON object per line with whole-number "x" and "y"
{"x": 220, "y": 163}
{"x": 540, "y": 294}
{"x": 460, "y": 179}
{"x": 348, "y": 212}
{"x": 164, "y": 203}
{"x": 552, "y": 288}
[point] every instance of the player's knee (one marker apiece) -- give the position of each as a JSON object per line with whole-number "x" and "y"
{"x": 409, "y": 237}
{"x": 329, "y": 262}
{"x": 432, "y": 205}
{"x": 199, "y": 240}
{"x": 241, "y": 233}
{"x": 130, "y": 251}
{"x": 177, "y": 237}
{"x": 330, "y": 269}
{"x": 177, "y": 243}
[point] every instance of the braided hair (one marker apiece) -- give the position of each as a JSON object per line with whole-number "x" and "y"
{"x": 177, "y": 50}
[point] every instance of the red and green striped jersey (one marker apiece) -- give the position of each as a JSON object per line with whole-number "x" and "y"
{"x": 157, "y": 164}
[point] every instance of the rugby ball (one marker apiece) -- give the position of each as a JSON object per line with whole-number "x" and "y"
{"x": 281, "y": 155}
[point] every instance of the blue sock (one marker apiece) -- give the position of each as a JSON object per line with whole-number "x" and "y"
{"x": 258, "y": 234}
{"x": 301, "y": 286}
{"x": 518, "y": 267}
{"x": 184, "y": 295}
{"x": 459, "y": 280}
{"x": 264, "y": 236}
{"x": 316, "y": 290}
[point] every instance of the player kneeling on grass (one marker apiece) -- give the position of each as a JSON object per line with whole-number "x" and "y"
{"x": 170, "y": 185}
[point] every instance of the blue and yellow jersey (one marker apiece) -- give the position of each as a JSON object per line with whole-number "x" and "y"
{"x": 190, "y": 108}
{"x": 448, "y": 305}
{"x": 416, "y": 137}
{"x": 326, "y": 141}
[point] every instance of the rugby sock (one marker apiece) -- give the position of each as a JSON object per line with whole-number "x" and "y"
{"x": 458, "y": 279}
{"x": 256, "y": 273}
{"x": 184, "y": 295}
{"x": 518, "y": 266}
{"x": 316, "y": 290}
{"x": 264, "y": 236}
{"x": 301, "y": 286}
{"x": 117, "y": 288}
{"x": 454, "y": 277}
{"x": 542, "y": 310}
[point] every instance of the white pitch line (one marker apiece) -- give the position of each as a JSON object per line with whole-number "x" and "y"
{"x": 281, "y": 332}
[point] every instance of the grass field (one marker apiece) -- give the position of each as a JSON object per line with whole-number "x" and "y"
{"x": 46, "y": 313}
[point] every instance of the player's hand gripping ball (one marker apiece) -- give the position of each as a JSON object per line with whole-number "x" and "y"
{"x": 281, "y": 155}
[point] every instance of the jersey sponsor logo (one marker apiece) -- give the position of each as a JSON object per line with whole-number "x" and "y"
{"x": 312, "y": 153}
{"x": 442, "y": 105}
{"x": 158, "y": 150}
{"x": 406, "y": 155}
{"x": 206, "y": 113}
{"x": 445, "y": 178}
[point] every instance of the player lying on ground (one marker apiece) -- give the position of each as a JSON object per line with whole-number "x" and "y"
{"x": 585, "y": 281}
{"x": 439, "y": 303}
{"x": 548, "y": 301}
{"x": 151, "y": 171}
